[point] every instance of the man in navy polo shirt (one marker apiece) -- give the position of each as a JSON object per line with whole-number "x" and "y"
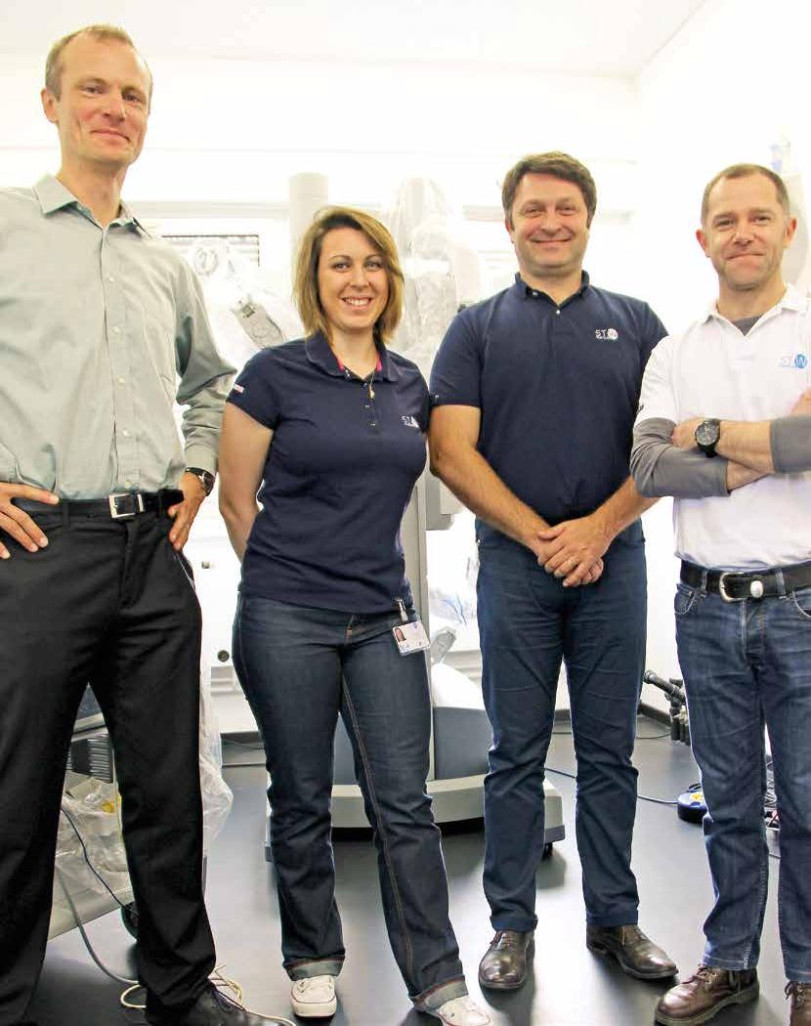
{"x": 535, "y": 391}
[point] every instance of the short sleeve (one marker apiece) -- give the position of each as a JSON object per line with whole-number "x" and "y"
{"x": 457, "y": 370}
{"x": 424, "y": 415}
{"x": 657, "y": 399}
{"x": 256, "y": 391}
{"x": 653, "y": 332}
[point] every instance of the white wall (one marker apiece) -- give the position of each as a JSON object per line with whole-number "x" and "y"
{"x": 730, "y": 86}
{"x": 235, "y": 130}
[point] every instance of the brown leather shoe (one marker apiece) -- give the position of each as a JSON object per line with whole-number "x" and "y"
{"x": 800, "y": 997}
{"x": 700, "y": 998}
{"x": 637, "y": 955}
{"x": 504, "y": 966}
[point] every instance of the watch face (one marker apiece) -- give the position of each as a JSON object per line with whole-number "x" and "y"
{"x": 707, "y": 433}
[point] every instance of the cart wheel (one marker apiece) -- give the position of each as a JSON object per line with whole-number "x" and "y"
{"x": 129, "y": 916}
{"x": 547, "y": 851}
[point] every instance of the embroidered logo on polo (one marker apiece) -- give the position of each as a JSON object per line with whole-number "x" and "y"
{"x": 799, "y": 361}
{"x": 607, "y": 334}
{"x": 410, "y": 422}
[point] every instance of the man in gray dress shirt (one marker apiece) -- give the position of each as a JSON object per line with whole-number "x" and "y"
{"x": 98, "y": 323}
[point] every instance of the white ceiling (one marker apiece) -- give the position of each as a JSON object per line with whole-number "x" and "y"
{"x": 593, "y": 37}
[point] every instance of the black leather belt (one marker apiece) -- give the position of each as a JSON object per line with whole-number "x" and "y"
{"x": 119, "y": 506}
{"x": 735, "y": 586}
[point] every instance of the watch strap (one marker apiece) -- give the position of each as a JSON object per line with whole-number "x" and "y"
{"x": 205, "y": 476}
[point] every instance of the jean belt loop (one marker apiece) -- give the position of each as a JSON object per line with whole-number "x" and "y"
{"x": 781, "y": 582}
{"x": 65, "y": 511}
{"x": 704, "y": 574}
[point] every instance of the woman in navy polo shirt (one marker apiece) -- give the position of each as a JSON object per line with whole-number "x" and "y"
{"x": 332, "y": 429}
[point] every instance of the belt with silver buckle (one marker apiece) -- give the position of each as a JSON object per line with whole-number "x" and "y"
{"x": 737, "y": 586}
{"x": 119, "y": 506}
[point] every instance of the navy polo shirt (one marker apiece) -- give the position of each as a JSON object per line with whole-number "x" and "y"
{"x": 557, "y": 386}
{"x": 344, "y": 458}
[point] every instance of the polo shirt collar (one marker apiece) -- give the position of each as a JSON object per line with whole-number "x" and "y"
{"x": 792, "y": 299}
{"x": 319, "y": 353}
{"x": 527, "y": 291}
{"x": 53, "y": 196}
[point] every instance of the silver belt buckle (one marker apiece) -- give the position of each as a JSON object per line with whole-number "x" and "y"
{"x": 722, "y": 589}
{"x": 755, "y": 588}
{"x": 113, "y": 501}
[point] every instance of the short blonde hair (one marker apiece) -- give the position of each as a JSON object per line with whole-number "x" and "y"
{"x": 102, "y": 34}
{"x": 305, "y": 283}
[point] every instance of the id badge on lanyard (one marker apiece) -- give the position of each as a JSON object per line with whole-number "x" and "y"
{"x": 409, "y": 637}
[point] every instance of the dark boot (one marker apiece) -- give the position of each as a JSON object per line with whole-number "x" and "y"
{"x": 704, "y": 995}
{"x": 637, "y": 955}
{"x": 504, "y": 966}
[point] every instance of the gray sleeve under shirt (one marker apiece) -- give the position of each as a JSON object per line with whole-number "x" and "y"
{"x": 791, "y": 444}
{"x": 660, "y": 468}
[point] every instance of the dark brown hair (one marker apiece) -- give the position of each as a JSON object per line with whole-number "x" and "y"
{"x": 556, "y": 164}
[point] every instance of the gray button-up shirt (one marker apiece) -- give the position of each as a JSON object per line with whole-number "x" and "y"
{"x": 101, "y": 330}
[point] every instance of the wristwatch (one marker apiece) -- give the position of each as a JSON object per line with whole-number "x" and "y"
{"x": 205, "y": 477}
{"x": 707, "y": 436}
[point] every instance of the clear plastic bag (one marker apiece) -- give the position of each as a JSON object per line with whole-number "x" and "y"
{"x": 217, "y": 795}
{"x": 91, "y": 821}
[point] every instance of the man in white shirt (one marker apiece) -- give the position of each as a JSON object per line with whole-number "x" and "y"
{"x": 725, "y": 427}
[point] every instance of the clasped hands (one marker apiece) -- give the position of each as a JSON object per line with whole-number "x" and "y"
{"x": 573, "y": 549}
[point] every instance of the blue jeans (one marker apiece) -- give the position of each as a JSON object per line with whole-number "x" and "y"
{"x": 746, "y": 665}
{"x": 300, "y": 667}
{"x": 528, "y": 623}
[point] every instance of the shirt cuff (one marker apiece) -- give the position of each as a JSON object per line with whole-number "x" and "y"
{"x": 791, "y": 444}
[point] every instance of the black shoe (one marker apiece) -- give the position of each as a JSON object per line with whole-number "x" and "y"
{"x": 637, "y": 955}
{"x": 212, "y": 1008}
{"x": 504, "y": 966}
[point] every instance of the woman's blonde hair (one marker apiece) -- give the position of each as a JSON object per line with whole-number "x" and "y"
{"x": 305, "y": 284}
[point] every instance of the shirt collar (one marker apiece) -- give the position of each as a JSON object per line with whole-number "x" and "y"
{"x": 319, "y": 353}
{"x": 792, "y": 299}
{"x": 527, "y": 291}
{"x": 53, "y": 196}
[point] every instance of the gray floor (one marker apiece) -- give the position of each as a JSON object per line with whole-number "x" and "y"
{"x": 570, "y": 986}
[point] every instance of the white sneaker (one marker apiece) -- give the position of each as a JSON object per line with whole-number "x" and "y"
{"x": 314, "y": 998}
{"x": 462, "y": 1011}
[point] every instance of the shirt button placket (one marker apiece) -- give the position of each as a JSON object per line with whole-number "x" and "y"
{"x": 122, "y": 400}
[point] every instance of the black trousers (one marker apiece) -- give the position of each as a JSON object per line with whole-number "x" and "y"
{"x": 108, "y": 602}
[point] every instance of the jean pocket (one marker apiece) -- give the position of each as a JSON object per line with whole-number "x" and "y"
{"x": 802, "y": 603}
{"x": 685, "y": 600}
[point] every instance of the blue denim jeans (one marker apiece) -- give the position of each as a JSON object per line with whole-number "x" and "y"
{"x": 300, "y": 668}
{"x": 528, "y": 623}
{"x": 747, "y": 665}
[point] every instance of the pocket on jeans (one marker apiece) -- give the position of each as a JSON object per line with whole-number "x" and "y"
{"x": 802, "y": 603}
{"x": 685, "y": 600}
